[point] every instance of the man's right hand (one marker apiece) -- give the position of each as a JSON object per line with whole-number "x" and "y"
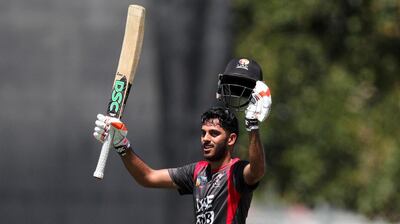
{"x": 104, "y": 124}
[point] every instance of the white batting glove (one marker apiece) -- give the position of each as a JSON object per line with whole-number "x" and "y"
{"x": 104, "y": 124}
{"x": 259, "y": 106}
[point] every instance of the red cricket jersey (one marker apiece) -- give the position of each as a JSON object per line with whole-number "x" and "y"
{"x": 220, "y": 196}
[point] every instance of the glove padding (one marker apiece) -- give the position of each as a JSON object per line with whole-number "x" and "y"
{"x": 259, "y": 106}
{"x": 105, "y": 124}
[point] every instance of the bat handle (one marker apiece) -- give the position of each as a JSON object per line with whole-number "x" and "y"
{"x": 101, "y": 164}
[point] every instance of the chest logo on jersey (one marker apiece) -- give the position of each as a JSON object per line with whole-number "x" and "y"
{"x": 201, "y": 181}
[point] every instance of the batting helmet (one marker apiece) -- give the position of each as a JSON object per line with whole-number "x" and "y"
{"x": 237, "y": 82}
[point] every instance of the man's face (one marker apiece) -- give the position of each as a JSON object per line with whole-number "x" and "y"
{"x": 214, "y": 140}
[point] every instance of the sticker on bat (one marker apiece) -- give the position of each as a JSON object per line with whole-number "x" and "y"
{"x": 117, "y": 96}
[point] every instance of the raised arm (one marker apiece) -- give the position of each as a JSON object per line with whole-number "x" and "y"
{"x": 255, "y": 170}
{"x": 256, "y": 112}
{"x": 145, "y": 175}
{"x": 139, "y": 170}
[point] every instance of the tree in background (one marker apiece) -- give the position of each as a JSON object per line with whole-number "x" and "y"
{"x": 333, "y": 68}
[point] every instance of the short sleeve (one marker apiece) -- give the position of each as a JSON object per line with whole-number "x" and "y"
{"x": 238, "y": 178}
{"x": 183, "y": 178}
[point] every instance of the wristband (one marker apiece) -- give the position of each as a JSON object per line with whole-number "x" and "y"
{"x": 121, "y": 150}
{"x": 251, "y": 124}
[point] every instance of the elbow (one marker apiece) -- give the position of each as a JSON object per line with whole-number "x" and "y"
{"x": 145, "y": 184}
{"x": 259, "y": 175}
{"x": 149, "y": 180}
{"x": 142, "y": 182}
{"x": 255, "y": 175}
{"x": 263, "y": 171}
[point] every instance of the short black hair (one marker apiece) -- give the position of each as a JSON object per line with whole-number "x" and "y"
{"x": 226, "y": 117}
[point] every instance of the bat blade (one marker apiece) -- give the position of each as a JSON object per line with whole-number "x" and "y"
{"x": 128, "y": 62}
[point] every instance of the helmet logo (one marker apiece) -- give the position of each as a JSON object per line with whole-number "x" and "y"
{"x": 243, "y": 63}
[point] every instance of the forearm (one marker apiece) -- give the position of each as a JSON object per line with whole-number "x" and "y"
{"x": 256, "y": 112}
{"x": 256, "y": 157}
{"x": 145, "y": 175}
{"x": 138, "y": 169}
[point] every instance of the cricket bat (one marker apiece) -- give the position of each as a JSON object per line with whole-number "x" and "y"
{"x": 128, "y": 62}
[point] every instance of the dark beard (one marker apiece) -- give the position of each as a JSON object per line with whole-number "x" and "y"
{"x": 220, "y": 152}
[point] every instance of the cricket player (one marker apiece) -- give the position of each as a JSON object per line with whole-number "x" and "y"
{"x": 221, "y": 185}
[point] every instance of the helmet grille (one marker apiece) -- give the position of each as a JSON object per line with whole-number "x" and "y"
{"x": 235, "y": 96}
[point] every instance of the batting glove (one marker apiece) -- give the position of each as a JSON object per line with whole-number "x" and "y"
{"x": 104, "y": 124}
{"x": 259, "y": 106}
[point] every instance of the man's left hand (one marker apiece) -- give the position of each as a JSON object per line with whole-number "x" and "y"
{"x": 259, "y": 106}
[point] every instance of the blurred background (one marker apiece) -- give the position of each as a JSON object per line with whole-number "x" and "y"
{"x": 332, "y": 139}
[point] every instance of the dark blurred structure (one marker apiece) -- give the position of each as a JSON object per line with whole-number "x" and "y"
{"x": 57, "y": 62}
{"x": 333, "y": 69}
